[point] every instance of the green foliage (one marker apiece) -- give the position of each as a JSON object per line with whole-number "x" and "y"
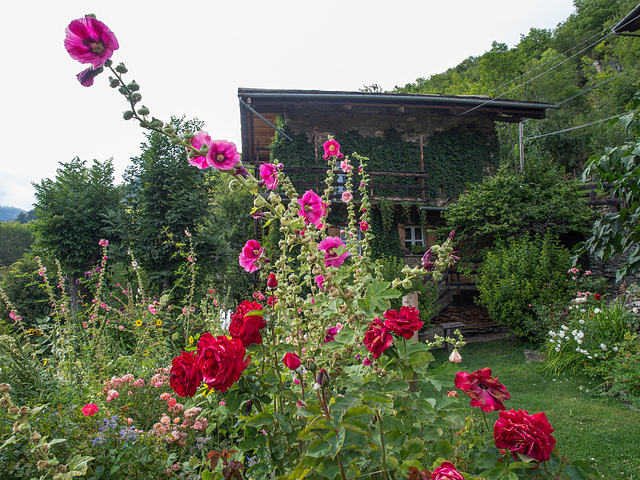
{"x": 512, "y": 204}
{"x": 520, "y": 274}
{"x": 71, "y": 213}
{"x": 15, "y": 239}
{"x": 618, "y": 232}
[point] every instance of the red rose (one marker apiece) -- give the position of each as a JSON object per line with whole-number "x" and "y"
{"x": 524, "y": 433}
{"x": 221, "y": 360}
{"x": 272, "y": 281}
{"x": 247, "y": 327}
{"x": 446, "y": 471}
{"x": 291, "y": 360}
{"x": 596, "y": 296}
{"x": 485, "y": 391}
{"x": 185, "y": 375}
{"x": 404, "y": 322}
{"x": 378, "y": 338}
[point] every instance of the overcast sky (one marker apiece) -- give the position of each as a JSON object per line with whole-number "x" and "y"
{"x": 190, "y": 57}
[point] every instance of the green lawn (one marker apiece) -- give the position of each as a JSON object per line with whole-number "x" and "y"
{"x": 588, "y": 427}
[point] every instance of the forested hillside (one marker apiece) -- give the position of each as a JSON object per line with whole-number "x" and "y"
{"x": 581, "y": 66}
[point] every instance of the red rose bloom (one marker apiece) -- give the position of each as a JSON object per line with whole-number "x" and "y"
{"x": 291, "y": 361}
{"x": 378, "y": 338}
{"x": 404, "y": 322}
{"x": 446, "y": 471}
{"x": 185, "y": 375}
{"x": 484, "y": 390}
{"x": 272, "y": 281}
{"x": 246, "y": 327}
{"x": 221, "y": 360}
{"x": 527, "y": 434}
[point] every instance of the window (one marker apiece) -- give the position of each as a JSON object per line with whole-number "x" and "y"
{"x": 413, "y": 236}
{"x": 339, "y": 187}
{"x": 345, "y": 237}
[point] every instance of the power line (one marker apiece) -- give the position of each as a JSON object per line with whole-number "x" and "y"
{"x": 536, "y": 77}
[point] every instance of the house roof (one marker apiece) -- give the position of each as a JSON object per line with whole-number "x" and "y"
{"x": 260, "y": 107}
{"x": 630, "y": 23}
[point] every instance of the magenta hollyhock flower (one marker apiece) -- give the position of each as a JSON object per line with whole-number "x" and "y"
{"x": 312, "y": 208}
{"x": 197, "y": 142}
{"x": 364, "y": 226}
{"x": 426, "y": 260}
{"x": 103, "y": 243}
{"x": 331, "y": 257}
{"x": 250, "y": 256}
{"x": 269, "y": 173}
{"x": 86, "y": 77}
{"x": 88, "y": 40}
{"x": 484, "y": 390}
{"x": 223, "y": 155}
{"x": 320, "y": 281}
{"x": 332, "y": 149}
{"x": 347, "y": 197}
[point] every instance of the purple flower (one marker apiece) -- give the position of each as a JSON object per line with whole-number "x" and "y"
{"x": 88, "y": 40}
{"x": 86, "y": 77}
{"x": 426, "y": 260}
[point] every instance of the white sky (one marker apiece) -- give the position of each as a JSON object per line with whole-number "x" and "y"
{"x": 190, "y": 57}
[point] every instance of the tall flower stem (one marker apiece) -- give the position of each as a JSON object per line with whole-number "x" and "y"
{"x": 384, "y": 453}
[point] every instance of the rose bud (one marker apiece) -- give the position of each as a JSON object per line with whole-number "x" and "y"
{"x": 322, "y": 378}
{"x": 272, "y": 281}
{"x": 291, "y": 361}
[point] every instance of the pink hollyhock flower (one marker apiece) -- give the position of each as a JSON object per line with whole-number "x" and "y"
{"x": 346, "y": 166}
{"x": 446, "y": 471}
{"x": 291, "y": 361}
{"x": 332, "y": 149}
{"x": 364, "y": 226}
{"x": 378, "y": 338}
{"x": 89, "y": 409}
{"x": 153, "y": 309}
{"x": 201, "y": 139}
{"x": 320, "y": 281}
{"x": 223, "y": 155}
{"x": 271, "y": 301}
{"x": 347, "y": 197}
{"x": 484, "y": 390}
{"x": 367, "y": 361}
{"x": 103, "y": 243}
{"x": 268, "y": 173}
{"x": 312, "y": 208}
{"x": 527, "y": 434}
{"x": 404, "y": 322}
{"x": 455, "y": 356}
{"x": 250, "y": 256}
{"x": 331, "y": 257}
{"x": 88, "y": 40}
{"x": 14, "y": 316}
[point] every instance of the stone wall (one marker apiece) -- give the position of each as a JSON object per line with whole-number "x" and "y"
{"x": 608, "y": 270}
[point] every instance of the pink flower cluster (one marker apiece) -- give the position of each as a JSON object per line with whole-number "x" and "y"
{"x": 113, "y": 386}
{"x": 219, "y": 154}
{"x": 175, "y": 429}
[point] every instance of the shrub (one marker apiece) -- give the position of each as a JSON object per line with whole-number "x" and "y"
{"x": 521, "y": 274}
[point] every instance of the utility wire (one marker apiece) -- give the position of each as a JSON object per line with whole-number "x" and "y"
{"x": 537, "y": 76}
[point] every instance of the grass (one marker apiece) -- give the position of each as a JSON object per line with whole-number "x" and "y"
{"x": 588, "y": 426}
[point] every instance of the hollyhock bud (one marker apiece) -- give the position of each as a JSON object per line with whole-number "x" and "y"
{"x": 291, "y": 361}
{"x": 143, "y": 110}
{"x": 322, "y": 378}
{"x": 455, "y": 356}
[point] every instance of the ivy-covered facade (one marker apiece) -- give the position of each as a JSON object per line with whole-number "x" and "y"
{"x": 422, "y": 149}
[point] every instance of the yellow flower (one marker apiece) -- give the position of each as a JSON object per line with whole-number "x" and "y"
{"x": 146, "y": 352}
{"x": 138, "y": 323}
{"x": 159, "y": 322}
{"x": 190, "y": 340}
{"x": 44, "y": 363}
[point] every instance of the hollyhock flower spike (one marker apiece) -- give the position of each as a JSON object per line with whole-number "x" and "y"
{"x": 269, "y": 173}
{"x": 525, "y": 434}
{"x": 332, "y": 149}
{"x": 331, "y": 257}
{"x": 201, "y": 139}
{"x": 88, "y": 40}
{"x": 291, "y": 361}
{"x": 378, "y": 338}
{"x": 484, "y": 390}
{"x": 223, "y": 155}
{"x": 312, "y": 208}
{"x": 250, "y": 256}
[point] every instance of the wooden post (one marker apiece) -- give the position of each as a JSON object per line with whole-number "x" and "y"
{"x": 411, "y": 300}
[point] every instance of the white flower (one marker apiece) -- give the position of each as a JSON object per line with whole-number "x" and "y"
{"x": 561, "y": 334}
{"x": 552, "y": 333}
{"x": 596, "y": 310}
{"x": 603, "y": 347}
{"x": 615, "y": 349}
{"x": 579, "y": 341}
{"x": 590, "y": 357}
{"x": 580, "y": 334}
{"x": 564, "y": 327}
{"x": 557, "y": 348}
{"x": 552, "y": 340}
{"x": 581, "y": 321}
{"x": 582, "y": 310}
{"x": 578, "y": 349}
{"x": 574, "y": 333}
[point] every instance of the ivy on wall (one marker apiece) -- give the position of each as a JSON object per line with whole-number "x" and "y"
{"x": 451, "y": 159}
